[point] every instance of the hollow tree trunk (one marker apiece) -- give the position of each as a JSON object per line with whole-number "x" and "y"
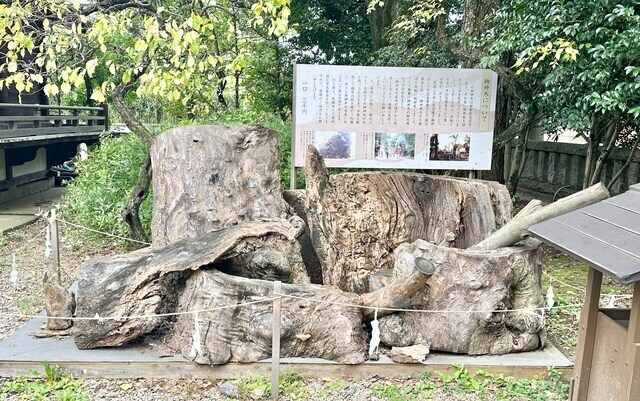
{"x": 357, "y": 220}
{"x": 208, "y": 178}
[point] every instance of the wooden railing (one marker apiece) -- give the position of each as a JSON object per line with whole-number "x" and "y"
{"x": 20, "y": 120}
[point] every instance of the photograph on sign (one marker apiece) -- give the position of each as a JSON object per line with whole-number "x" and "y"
{"x": 388, "y": 117}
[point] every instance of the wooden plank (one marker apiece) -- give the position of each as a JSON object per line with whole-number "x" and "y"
{"x": 49, "y": 118}
{"x": 187, "y": 370}
{"x": 48, "y": 107}
{"x": 633, "y": 351}
{"x": 604, "y": 232}
{"x": 629, "y": 200}
{"x": 620, "y": 217}
{"x": 49, "y": 131}
{"x": 597, "y": 254}
{"x": 586, "y": 337}
{"x": 608, "y": 365}
{"x": 23, "y": 179}
{"x": 275, "y": 341}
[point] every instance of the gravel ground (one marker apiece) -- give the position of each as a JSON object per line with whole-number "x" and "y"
{"x": 28, "y": 245}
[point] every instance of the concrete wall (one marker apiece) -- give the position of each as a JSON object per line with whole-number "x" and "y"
{"x": 552, "y": 167}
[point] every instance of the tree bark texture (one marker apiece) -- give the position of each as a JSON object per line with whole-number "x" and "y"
{"x": 464, "y": 290}
{"x": 150, "y": 280}
{"x": 207, "y": 178}
{"x": 243, "y": 334}
{"x": 357, "y": 220}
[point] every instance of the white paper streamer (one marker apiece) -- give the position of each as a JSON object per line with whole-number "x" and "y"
{"x": 47, "y": 242}
{"x": 375, "y": 333}
{"x": 550, "y": 297}
{"x": 13, "y": 278}
{"x": 196, "y": 346}
{"x": 612, "y": 301}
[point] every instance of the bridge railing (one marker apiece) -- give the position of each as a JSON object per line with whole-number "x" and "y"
{"x": 21, "y": 120}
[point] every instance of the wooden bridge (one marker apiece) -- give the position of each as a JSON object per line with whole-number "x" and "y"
{"x": 34, "y": 137}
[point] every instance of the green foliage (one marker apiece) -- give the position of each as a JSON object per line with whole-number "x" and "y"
{"x": 94, "y": 199}
{"x": 251, "y": 386}
{"x": 420, "y": 390}
{"x": 54, "y": 384}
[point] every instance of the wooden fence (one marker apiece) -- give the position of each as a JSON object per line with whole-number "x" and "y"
{"x": 557, "y": 169}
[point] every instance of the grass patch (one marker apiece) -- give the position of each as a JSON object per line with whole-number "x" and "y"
{"x": 53, "y": 384}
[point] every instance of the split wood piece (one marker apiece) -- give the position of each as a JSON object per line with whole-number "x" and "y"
{"x": 58, "y": 301}
{"x": 516, "y": 230}
{"x": 464, "y": 290}
{"x": 309, "y": 328}
{"x": 206, "y": 178}
{"x": 357, "y": 220}
{"x": 150, "y": 280}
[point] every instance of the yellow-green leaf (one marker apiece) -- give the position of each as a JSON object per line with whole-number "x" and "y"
{"x": 98, "y": 96}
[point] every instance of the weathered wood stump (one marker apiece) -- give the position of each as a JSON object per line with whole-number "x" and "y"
{"x": 207, "y": 178}
{"x": 243, "y": 334}
{"x": 465, "y": 288}
{"x": 357, "y": 220}
{"x": 150, "y": 280}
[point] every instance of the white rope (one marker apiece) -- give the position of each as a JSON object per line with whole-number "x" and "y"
{"x": 101, "y": 232}
{"x": 542, "y": 308}
{"x": 133, "y": 317}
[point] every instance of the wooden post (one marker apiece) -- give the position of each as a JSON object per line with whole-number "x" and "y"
{"x": 105, "y": 114}
{"x": 275, "y": 342}
{"x": 55, "y": 244}
{"x": 633, "y": 342}
{"x": 586, "y": 337}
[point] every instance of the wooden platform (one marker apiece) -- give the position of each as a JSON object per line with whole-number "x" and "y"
{"x": 22, "y": 353}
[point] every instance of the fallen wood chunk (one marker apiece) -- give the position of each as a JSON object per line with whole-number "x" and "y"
{"x": 310, "y": 329}
{"x": 150, "y": 280}
{"x": 413, "y": 354}
{"x": 476, "y": 302}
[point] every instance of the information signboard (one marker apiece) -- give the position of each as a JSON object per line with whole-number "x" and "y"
{"x": 388, "y": 117}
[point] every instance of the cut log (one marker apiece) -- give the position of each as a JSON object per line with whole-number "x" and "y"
{"x": 465, "y": 298}
{"x": 309, "y": 329}
{"x": 150, "y": 280}
{"x": 516, "y": 229}
{"x": 357, "y": 220}
{"x": 207, "y": 178}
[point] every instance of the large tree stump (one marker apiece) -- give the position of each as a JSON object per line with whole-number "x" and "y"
{"x": 207, "y": 178}
{"x": 150, "y": 280}
{"x": 465, "y": 288}
{"x": 357, "y": 220}
{"x": 243, "y": 334}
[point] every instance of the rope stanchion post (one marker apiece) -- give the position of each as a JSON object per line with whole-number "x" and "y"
{"x": 275, "y": 343}
{"x": 55, "y": 243}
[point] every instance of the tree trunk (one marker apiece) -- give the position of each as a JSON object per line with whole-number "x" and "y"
{"x": 613, "y": 132}
{"x": 357, "y": 220}
{"x": 626, "y": 164}
{"x": 150, "y": 280}
{"x": 130, "y": 211}
{"x": 311, "y": 329}
{"x": 207, "y": 178}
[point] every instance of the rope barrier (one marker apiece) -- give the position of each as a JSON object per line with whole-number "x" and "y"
{"x": 565, "y": 284}
{"x": 101, "y": 232}
{"x": 135, "y": 317}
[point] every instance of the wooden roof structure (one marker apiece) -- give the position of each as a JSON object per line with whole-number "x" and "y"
{"x": 605, "y": 235}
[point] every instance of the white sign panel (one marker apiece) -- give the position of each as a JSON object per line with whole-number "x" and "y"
{"x": 387, "y": 117}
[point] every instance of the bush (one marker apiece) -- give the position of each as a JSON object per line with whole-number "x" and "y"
{"x": 94, "y": 199}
